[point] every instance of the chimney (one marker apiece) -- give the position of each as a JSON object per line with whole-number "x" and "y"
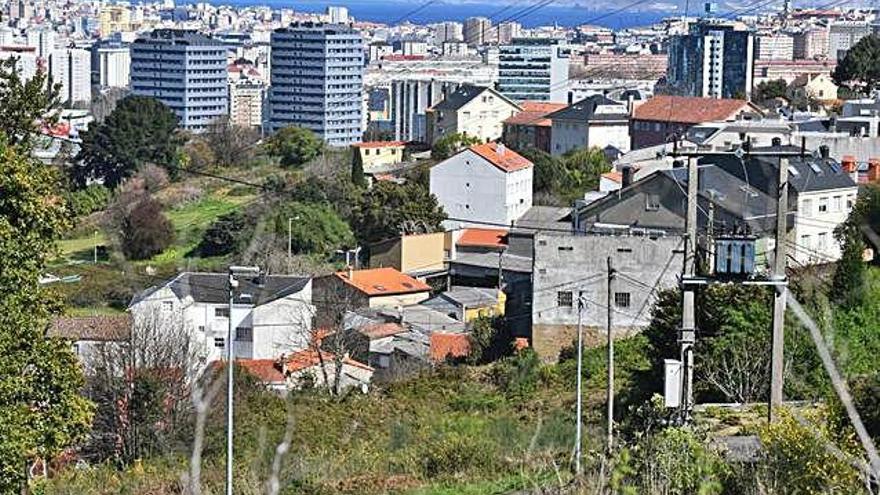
{"x": 281, "y": 364}
{"x": 500, "y": 149}
{"x": 626, "y": 173}
{"x": 874, "y": 125}
{"x": 823, "y": 151}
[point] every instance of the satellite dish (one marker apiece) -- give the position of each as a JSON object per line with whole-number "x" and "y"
{"x": 739, "y": 153}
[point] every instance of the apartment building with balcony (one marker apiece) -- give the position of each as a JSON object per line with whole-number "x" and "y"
{"x": 317, "y": 81}
{"x": 186, "y": 71}
{"x": 534, "y": 69}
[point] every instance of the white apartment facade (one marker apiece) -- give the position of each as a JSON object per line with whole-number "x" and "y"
{"x": 246, "y": 103}
{"x": 486, "y": 184}
{"x": 819, "y": 213}
{"x": 476, "y": 111}
{"x": 268, "y": 320}
{"x": 72, "y": 69}
{"x": 114, "y": 67}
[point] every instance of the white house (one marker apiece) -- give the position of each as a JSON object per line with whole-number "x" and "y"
{"x": 271, "y": 316}
{"x": 824, "y": 200}
{"x": 295, "y": 370}
{"x": 485, "y": 184}
{"x": 595, "y": 121}
{"x": 473, "y": 110}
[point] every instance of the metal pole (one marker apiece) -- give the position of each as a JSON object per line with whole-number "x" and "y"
{"x": 610, "y": 398}
{"x": 289, "y": 241}
{"x": 688, "y": 315}
{"x": 96, "y": 246}
{"x": 780, "y": 296}
{"x": 579, "y": 398}
{"x": 229, "y": 382}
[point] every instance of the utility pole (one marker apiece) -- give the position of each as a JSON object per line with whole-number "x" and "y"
{"x": 610, "y": 398}
{"x": 234, "y": 271}
{"x": 780, "y": 296}
{"x": 687, "y": 336}
{"x": 579, "y": 398}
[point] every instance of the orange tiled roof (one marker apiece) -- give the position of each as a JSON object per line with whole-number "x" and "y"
{"x": 615, "y": 176}
{"x": 265, "y": 370}
{"x": 99, "y": 328}
{"x": 379, "y": 144}
{"x": 380, "y": 330}
{"x": 305, "y": 359}
{"x": 501, "y": 156}
{"x": 688, "y": 109}
{"x": 449, "y": 345}
{"x": 483, "y": 238}
{"x": 533, "y": 113}
{"x": 383, "y": 282}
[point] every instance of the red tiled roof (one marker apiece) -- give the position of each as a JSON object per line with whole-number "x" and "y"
{"x": 305, "y": 359}
{"x": 398, "y": 57}
{"x": 380, "y": 144}
{"x": 483, "y": 238}
{"x": 501, "y": 156}
{"x": 449, "y": 345}
{"x": 533, "y": 113}
{"x": 689, "y": 109}
{"x": 265, "y": 370}
{"x": 383, "y": 282}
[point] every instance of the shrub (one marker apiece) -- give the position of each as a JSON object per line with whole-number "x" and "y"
{"x": 518, "y": 375}
{"x": 145, "y": 230}
{"x": 313, "y": 228}
{"x": 89, "y": 200}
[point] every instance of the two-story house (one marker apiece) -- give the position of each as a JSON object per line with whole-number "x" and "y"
{"x": 484, "y": 185}
{"x": 595, "y": 121}
{"x": 473, "y": 110}
{"x": 270, "y": 315}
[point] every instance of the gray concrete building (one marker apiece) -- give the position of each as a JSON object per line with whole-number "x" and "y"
{"x": 572, "y": 267}
{"x": 408, "y": 103}
{"x": 317, "y": 81}
{"x": 186, "y": 71}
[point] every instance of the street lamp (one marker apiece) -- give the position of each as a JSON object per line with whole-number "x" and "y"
{"x": 234, "y": 272}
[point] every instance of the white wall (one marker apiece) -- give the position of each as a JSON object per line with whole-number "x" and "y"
{"x": 814, "y": 229}
{"x": 469, "y": 187}
{"x": 566, "y": 136}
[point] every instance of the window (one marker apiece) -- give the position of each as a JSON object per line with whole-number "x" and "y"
{"x": 244, "y": 334}
{"x": 219, "y": 342}
{"x": 806, "y": 241}
{"x": 564, "y": 299}
{"x": 222, "y": 312}
{"x": 621, "y": 299}
{"x": 652, "y": 202}
{"x": 822, "y": 241}
{"x": 837, "y": 204}
{"x": 167, "y": 305}
{"x": 850, "y": 202}
{"x": 565, "y": 248}
{"x": 807, "y": 207}
{"x": 823, "y": 205}
{"x": 202, "y": 328}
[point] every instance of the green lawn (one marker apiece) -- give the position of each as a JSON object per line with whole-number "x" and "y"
{"x": 191, "y": 220}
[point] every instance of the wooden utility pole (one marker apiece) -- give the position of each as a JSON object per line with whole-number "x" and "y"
{"x": 610, "y": 398}
{"x": 780, "y": 295}
{"x": 687, "y": 336}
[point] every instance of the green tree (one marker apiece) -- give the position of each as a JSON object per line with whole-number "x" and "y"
{"x": 295, "y": 146}
{"x": 314, "y": 228}
{"x": 25, "y": 104}
{"x": 583, "y": 167}
{"x": 849, "y": 271}
{"x": 226, "y": 235}
{"x": 140, "y": 130}
{"x": 768, "y": 90}
{"x": 357, "y": 171}
{"x": 389, "y": 209}
{"x": 549, "y": 171}
{"x": 451, "y": 144}
{"x": 41, "y": 409}
{"x": 859, "y": 70}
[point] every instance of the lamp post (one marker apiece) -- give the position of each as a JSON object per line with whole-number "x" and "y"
{"x": 234, "y": 272}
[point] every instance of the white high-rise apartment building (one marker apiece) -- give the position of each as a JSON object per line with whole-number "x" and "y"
{"x": 317, "y": 81}
{"x": 113, "y": 67}
{"x": 337, "y": 15}
{"x": 449, "y": 31}
{"x": 534, "y": 69}
{"x": 777, "y": 46}
{"x": 477, "y": 31}
{"x": 43, "y": 40}
{"x": 71, "y": 68}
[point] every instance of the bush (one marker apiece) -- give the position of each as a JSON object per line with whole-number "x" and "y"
{"x": 451, "y": 144}
{"x": 89, "y": 200}
{"x": 225, "y": 235}
{"x": 315, "y": 228}
{"x": 145, "y": 230}
{"x": 518, "y": 376}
